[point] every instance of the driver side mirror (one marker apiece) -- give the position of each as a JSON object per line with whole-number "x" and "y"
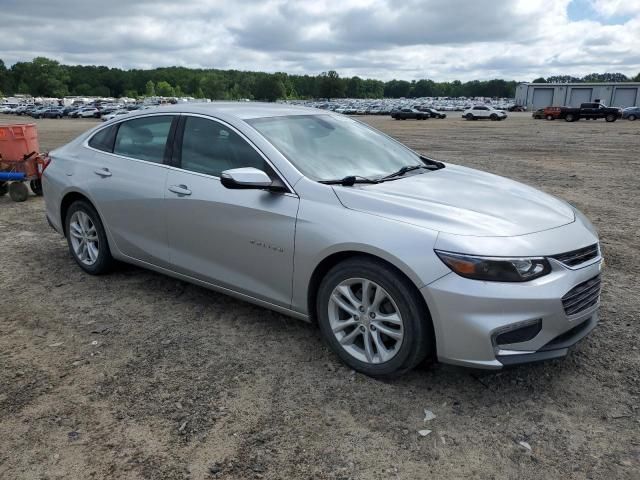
{"x": 245, "y": 178}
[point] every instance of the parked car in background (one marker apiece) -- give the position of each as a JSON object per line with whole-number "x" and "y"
{"x": 67, "y": 111}
{"x": 37, "y": 112}
{"x": 517, "y": 108}
{"x": 538, "y": 114}
{"x": 590, "y": 111}
{"x": 631, "y": 113}
{"x": 56, "y": 112}
{"x": 24, "y": 109}
{"x": 112, "y": 115}
{"x": 86, "y": 112}
{"x": 484, "y": 111}
{"x": 409, "y": 113}
{"x": 398, "y": 257}
{"x": 433, "y": 113}
{"x": 552, "y": 113}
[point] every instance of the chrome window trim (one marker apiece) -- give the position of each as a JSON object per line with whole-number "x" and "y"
{"x": 85, "y": 144}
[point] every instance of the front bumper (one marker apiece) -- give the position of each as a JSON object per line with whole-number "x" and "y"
{"x": 468, "y": 315}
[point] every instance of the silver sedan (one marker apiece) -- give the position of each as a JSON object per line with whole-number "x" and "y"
{"x": 397, "y": 257}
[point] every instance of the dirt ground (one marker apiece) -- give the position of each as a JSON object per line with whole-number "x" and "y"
{"x": 138, "y": 376}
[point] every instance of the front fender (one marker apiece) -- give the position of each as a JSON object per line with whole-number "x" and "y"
{"x": 325, "y": 229}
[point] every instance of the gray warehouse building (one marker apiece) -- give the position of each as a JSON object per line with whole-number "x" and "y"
{"x": 540, "y": 95}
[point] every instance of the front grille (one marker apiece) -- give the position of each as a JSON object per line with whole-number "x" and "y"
{"x": 576, "y": 257}
{"x": 582, "y": 296}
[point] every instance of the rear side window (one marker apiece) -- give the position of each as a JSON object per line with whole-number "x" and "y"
{"x": 211, "y": 148}
{"x": 103, "y": 140}
{"x": 144, "y": 138}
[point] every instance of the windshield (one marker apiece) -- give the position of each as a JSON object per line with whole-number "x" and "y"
{"x": 327, "y": 147}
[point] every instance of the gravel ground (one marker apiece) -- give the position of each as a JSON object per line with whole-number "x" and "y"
{"x": 138, "y": 376}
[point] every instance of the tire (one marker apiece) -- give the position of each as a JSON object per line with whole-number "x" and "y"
{"x": 569, "y": 118}
{"x": 96, "y": 258}
{"x": 4, "y": 188}
{"x": 36, "y": 187}
{"x": 631, "y": 118}
{"x": 18, "y": 191}
{"x": 550, "y": 117}
{"x": 493, "y": 117}
{"x": 400, "y": 298}
{"x": 610, "y": 118}
{"x": 469, "y": 116}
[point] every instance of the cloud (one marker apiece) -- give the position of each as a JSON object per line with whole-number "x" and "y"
{"x": 614, "y": 8}
{"x": 438, "y": 39}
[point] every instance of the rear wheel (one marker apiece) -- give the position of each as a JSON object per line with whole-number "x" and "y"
{"x": 373, "y": 318}
{"x": 18, "y": 191}
{"x": 549, "y": 117}
{"x": 631, "y": 117}
{"x": 87, "y": 239}
{"x": 36, "y": 187}
{"x": 569, "y": 118}
{"x": 610, "y": 118}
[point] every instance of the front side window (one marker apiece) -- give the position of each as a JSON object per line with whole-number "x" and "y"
{"x": 327, "y": 147}
{"x": 143, "y": 138}
{"x": 210, "y": 147}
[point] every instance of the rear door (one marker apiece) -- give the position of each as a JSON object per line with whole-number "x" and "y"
{"x": 238, "y": 239}
{"x": 126, "y": 176}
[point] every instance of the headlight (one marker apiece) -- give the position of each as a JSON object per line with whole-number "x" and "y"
{"x": 496, "y": 269}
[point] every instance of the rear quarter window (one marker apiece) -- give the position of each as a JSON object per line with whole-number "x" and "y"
{"x": 143, "y": 138}
{"x": 103, "y": 139}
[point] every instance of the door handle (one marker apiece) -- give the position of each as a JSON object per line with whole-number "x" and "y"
{"x": 180, "y": 189}
{"x": 103, "y": 172}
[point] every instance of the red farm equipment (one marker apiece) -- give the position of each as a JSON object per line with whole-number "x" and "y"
{"x": 20, "y": 161}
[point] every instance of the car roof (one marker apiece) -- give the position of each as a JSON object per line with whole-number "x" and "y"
{"x": 240, "y": 110}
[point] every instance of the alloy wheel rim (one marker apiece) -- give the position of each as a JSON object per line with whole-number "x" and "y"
{"x": 84, "y": 238}
{"x": 365, "y": 320}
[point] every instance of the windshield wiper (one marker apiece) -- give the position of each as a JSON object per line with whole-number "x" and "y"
{"x": 402, "y": 171}
{"x": 349, "y": 181}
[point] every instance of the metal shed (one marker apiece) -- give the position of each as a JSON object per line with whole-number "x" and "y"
{"x": 540, "y": 95}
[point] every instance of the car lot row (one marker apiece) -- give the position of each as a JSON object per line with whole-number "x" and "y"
{"x": 104, "y": 111}
{"x": 387, "y": 106}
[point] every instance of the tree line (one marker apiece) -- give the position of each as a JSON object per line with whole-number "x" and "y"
{"x": 48, "y": 78}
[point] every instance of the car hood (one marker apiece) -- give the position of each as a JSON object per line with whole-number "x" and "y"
{"x": 461, "y": 201}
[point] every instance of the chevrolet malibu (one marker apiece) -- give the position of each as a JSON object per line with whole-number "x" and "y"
{"x": 397, "y": 257}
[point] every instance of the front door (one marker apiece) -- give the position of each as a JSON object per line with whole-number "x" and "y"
{"x": 238, "y": 239}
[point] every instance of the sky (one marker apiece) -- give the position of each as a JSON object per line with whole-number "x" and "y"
{"x": 385, "y": 39}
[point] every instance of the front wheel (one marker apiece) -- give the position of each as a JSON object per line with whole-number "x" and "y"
{"x": 610, "y": 118}
{"x": 373, "y": 318}
{"x": 631, "y": 117}
{"x": 569, "y": 118}
{"x": 469, "y": 116}
{"x": 87, "y": 239}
